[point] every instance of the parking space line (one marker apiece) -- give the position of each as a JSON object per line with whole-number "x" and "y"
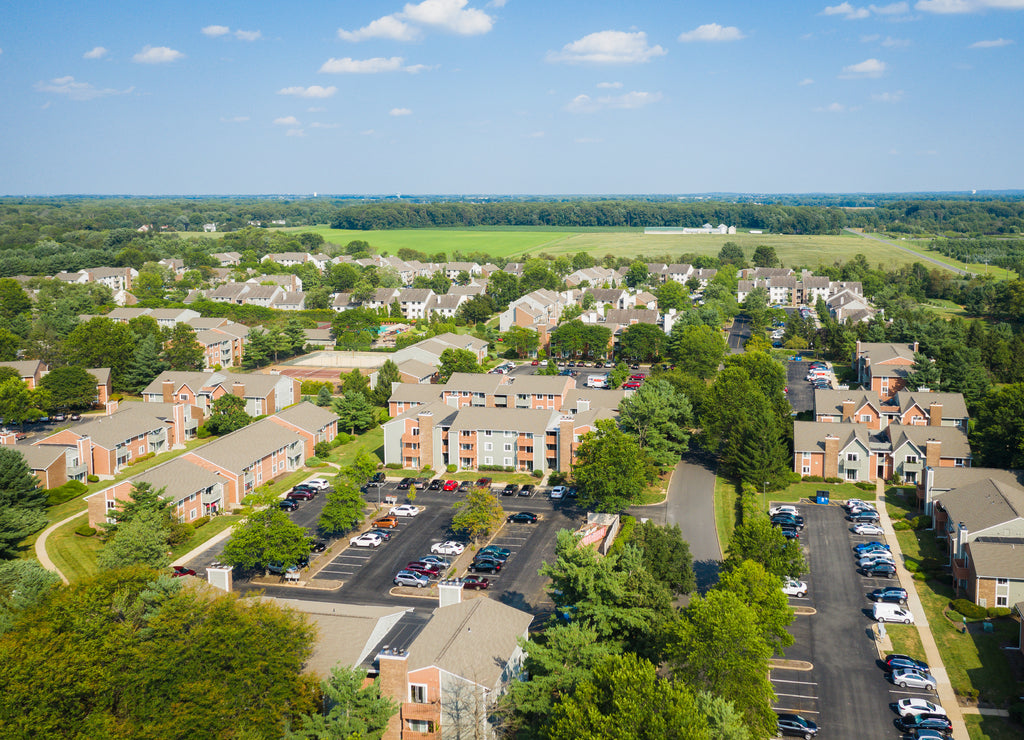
{"x": 785, "y": 680}
{"x": 799, "y": 711}
{"x": 798, "y": 696}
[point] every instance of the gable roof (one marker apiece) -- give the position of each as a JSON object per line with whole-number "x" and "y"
{"x": 831, "y": 402}
{"x": 809, "y": 436}
{"x": 953, "y": 439}
{"x": 953, "y": 404}
{"x": 998, "y": 557}
{"x": 481, "y": 418}
{"x": 308, "y": 416}
{"x": 245, "y": 446}
{"x": 879, "y": 352}
{"x": 984, "y": 505}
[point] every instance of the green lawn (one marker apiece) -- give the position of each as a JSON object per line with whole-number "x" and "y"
{"x": 499, "y": 243}
{"x": 980, "y": 727}
{"x": 975, "y": 660}
{"x": 372, "y": 442}
{"x": 906, "y": 639}
{"x": 726, "y": 495}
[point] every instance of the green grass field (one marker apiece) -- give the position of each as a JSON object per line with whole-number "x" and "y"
{"x": 792, "y": 250}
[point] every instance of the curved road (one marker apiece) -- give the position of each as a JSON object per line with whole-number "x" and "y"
{"x": 920, "y": 256}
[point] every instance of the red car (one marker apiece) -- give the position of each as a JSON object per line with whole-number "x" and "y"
{"x": 451, "y": 485}
{"x": 632, "y": 384}
{"x": 305, "y": 494}
{"x": 181, "y": 570}
{"x": 476, "y": 582}
{"x": 640, "y": 376}
{"x": 535, "y": 363}
{"x": 428, "y": 569}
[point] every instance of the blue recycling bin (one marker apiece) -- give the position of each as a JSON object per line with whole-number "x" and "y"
{"x": 821, "y": 497}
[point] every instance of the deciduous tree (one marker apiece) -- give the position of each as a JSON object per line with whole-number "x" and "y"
{"x": 660, "y": 417}
{"x": 697, "y": 350}
{"x": 141, "y": 541}
{"x": 759, "y": 541}
{"x": 762, "y": 591}
{"x": 351, "y": 709}
{"x": 479, "y": 514}
{"x": 457, "y": 361}
{"x": 227, "y": 415}
{"x": 264, "y": 537}
{"x": 343, "y": 509}
{"x": 69, "y": 387}
{"x": 666, "y": 555}
{"x": 610, "y": 468}
{"x": 643, "y": 342}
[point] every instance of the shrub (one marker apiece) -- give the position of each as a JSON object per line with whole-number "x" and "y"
{"x": 314, "y": 462}
{"x": 626, "y": 526}
{"x": 901, "y": 525}
{"x": 427, "y": 472}
{"x": 813, "y": 479}
{"x": 398, "y": 466}
{"x": 996, "y": 612}
{"x": 922, "y": 522}
{"x": 865, "y": 485}
{"x": 537, "y": 473}
{"x": 197, "y": 523}
{"x": 557, "y": 478}
{"x": 65, "y": 493}
{"x": 969, "y": 609}
{"x": 919, "y": 576}
{"x": 912, "y": 565}
{"x": 84, "y": 530}
{"x": 143, "y": 458}
{"x": 345, "y": 438}
{"x": 322, "y": 450}
{"x": 92, "y": 478}
{"x": 451, "y": 468}
{"x": 202, "y": 432}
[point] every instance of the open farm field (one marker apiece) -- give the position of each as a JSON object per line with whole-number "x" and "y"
{"x": 792, "y": 250}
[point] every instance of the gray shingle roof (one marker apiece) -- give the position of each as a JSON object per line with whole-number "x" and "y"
{"x": 953, "y": 439}
{"x": 180, "y": 477}
{"x": 244, "y": 447}
{"x": 998, "y": 559}
{"x": 983, "y": 505}
{"x": 308, "y": 416}
{"x": 479, "y": 418}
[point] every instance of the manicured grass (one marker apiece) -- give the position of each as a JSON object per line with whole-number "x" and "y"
{"x": 980, "y": 727}
{"x": 499, "y": 243}
{"x": 372, "y": 442}
{"x": 800, "y": 491}
{"x": 905, "y": 639}
{"x": 75, "y": 556}
{"x": 726, "y": 496}
{"x": 205, "y": 533}
{"x": 975, "y": 660}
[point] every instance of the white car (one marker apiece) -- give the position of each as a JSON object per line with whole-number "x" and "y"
{"x": 793, "y": 587}
{"x": 856, "y": 503}
{"x": 451, "y": 547}
{"x": 404, "y": 510}
{"x": 784, "y": 509}
{"x": 558, "y": 492}
{"x": 367, "y": 539}
{"x": 318, "y": 483}
{"x": 894, "y": 615}
{"x": 869, "y": 529}
{"x": 876, "y": 557}
{"x": 908, "y": 678}
{"x": 918, "y": 705}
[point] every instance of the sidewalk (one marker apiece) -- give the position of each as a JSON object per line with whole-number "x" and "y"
{"x": 945, "y": 693}
{"x": 41, "y": 554}
{"x": 219, "y": 537}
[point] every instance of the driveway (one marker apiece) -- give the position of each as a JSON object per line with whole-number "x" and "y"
{"x": 739, "y": 334}
{"x": 691, "y": 504}
{"x": 801, "y": 393}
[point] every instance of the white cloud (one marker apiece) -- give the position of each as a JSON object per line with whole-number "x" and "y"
{"x": 628, "y": 101}
{"x": 588, "y": 140}
{"x": 609, "y": 85}
{"x": 806, "y": 81}
{"x": 295, "y": 132}
{"x": 888, "y": 97}
{"x": 157, "y": 55}
{"x": 75, "y": 90}
{"x": 388, "y": 27}
{"x": 867, "y": 68}
{"x": 313, "y": 91}
{"x": 608, "y": 47}
{"x": 967, "y": 6}
{"x": 96, "y": 52}
{"x": 712, "y": 32}
{"x": 496, "y": 4}
{"x": 417, "y": 68}
{"x": 317, "y": 124}
{"x": 287, "y": 121}
{"x": 990, "y": 44}
{"x": 235, "y": 119}
{"x": 846, "y": 10}
{"x": 214, "y": 31}
{"x": 348, "y": 65}
{"x": 399, "y": 112}
{"x": 890, "y": 43}
{"x": 248, "y": 35}
{"x": 901, "y": 8}
{"x": 449, "y": 15}
{"x": 832, "y": 108}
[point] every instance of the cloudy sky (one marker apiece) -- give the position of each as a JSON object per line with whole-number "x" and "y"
{"x": 510, "y": 96}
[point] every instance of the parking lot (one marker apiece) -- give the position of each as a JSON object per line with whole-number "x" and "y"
{"x": 845, "y": 691}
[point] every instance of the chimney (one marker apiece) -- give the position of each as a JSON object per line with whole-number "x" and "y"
{"x": 565, "y": 435}
{"x": 449, "y": 592}
{"x": 927, "y": 481}
{"x": 168, "y": 390}
{"x": 393, "y": 666}
{"x": 848, "y": 405}
{"x": 8, "y": 439}
{"x": 915, "y": 345}
{"x": 238, "y": 389}
{"x": 935, "y": 415}
{"x": 932, "y": 450}
{"x": 831, "y": 466}
{"x": 582, "y": 405}
{"x": 961, "y": 540}
{"x": 178, "y": 426}
{"x": 426, "y": 423}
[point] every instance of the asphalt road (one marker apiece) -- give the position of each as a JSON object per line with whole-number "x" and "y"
{"x": 739, "y": 334}
{"x": 846, "y": 691}
{"x": 691, "y": 505}
{"x": 801, "y": 393}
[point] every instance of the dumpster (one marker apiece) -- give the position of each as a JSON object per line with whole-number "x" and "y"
{"x": 821, "y": 497}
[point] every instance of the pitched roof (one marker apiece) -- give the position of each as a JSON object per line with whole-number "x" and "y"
{"x": 102, "y": 374}
{"x": 885, "y": 351}
{"x": 308, "y": 416}
{"x": 998, "y": 557}
{"x": 953, "y": 439}
{"x": 599, "y": 398}
{"x": 39, "y": 457}
{"x": 947, "y": 479}
{"x": 415, "y": 295}
{"x": 983, "y": 505}
{"x": 535, "y": 384}
{"x": 415, "y": 392}
{"x": 809, "y": 436}
{"x": 416, "y": 368}
{"x": 130, "y": 420}
{"x": 473, "y": 639}
{"x": 24, "y": 368}
{"x": 473, "y": 382}
{"x": 630, "y": 315}
{"x": 953, "y": 404}
{"x": 179, "y": 476}
{"x": 242, "y": 448}
{"x": 831, "y": 402}
{"x": 481, "y": 418}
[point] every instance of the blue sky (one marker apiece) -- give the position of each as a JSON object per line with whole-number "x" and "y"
{"x": 510, "y": 96}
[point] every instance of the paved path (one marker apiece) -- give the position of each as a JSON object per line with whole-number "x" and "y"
{"x": 931, "y": 651}
{"x": 44, "y": 558}
{"x": 920, "y": 256}
{"x": 691, "y": 504}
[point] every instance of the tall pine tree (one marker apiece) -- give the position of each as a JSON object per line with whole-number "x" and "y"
{"x": 22, "y": 502}
{"x": 145, "y": 365}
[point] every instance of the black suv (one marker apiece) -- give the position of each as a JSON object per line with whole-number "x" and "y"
{"x": 526, "y": 490}
{"x": 793, "y": 725}
{"x": 890, "y": 595}
{"x": 510, "y": 489}
{"x": 435, "y": 485}
{"x": 404, "y": 484}
{"x": 376, "y": 479}
{"x": 896, "y": 661}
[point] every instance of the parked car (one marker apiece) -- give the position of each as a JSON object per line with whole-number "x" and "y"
{"x": 631, "y": 385}
{"x": 889, "y": 595}
{"x": 790, "y": 533}
{"x": 410, "y": 578}
{"x": 465, "y": 486}
{"x": 796, "y": 521}
{"x": 924, "y": 721}
{"x": 854, "y": 503}
{"x": 485, "y": 565}
{"x": 436, "y": 560}
{"x": 318, "y": 483}
{"x": 428, "y": 569}
{"x": 527, "y": 490}
{"x": 377, "y": 479}
{"x": 510, "y": 489}
{"x": 304, "y": 494}
{"x": 384, "y": 534}
{"x": 864, "y": 517}
{"x": 880, "y": 570}
{"x": 896, "y": 661}
{"x": 500, "y": 555}
{"x": 483, "y": 482}
{"x": 421, "y": 483}
{"x": 918, "y": 705}
{"x": 317, "y": 546}
{"x": 404, "y": 510}
{"x": 883, "y": 612}
{"x": 524, "y": 517}
{"x": 870, "y": 546}
{"x": 403, "y": 485}
{"x": 793, "y": 587}
{"x": 875, "y": 557}
{"x": 926, "y": 734}
{"x": 386, "y": 522}
{"x": 367, "y": 539}
{"x": 784, "y": 509}
{"x": 558, "y": 492}
{"x": 279, "y": 568}
{"x": 476, "y": 582}
{"x": 907, "y": 678}
{"x": 868, "y": 529}
{"x": 181, "y": 571}
{"x": 451, "y": 547}
{"x": 435, "y": 485}
{"x": 794, "y": 725}
{"x": 450, "y": 485}
{"x": 504, "y": 552}
{"x": 288, "y": 504}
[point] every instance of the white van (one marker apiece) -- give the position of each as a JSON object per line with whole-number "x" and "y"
{"x": 891, "y": 613}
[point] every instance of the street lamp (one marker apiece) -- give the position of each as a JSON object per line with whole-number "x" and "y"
{"x": 766, "y": 491}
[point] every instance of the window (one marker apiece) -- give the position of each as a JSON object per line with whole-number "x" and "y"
{"x": 1002, "y": 581}
{"x": 865, "y": 418}
{"x": 851, "y": 475}
{"x": 910, "y": 459}
{"x": 508, "y": 447}
{"x": 418, "y": 693}
{"x": 420, "y": 725}
{"x": 958, "y": 462}
{"x": 510, "y": 434}
{"x": 1001, "y": 601}
{"x": 851, "y": 456}
{"x": 806, "y": 469}
{"x": 508, "y": 461}
{"x": 489, "y": 460}
{"x": 488, "y": 446}
{"x": 111, "y": 504}
{"x": 416, "y": 432}
{"x": 192, "y": 514}
{"x": 487, "y": 432}
{"x": 466, "y": 462}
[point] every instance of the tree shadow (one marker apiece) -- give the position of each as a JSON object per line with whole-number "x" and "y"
{"x": 706, "y": 572}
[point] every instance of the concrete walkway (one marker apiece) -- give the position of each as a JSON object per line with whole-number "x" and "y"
{"x": 219, "y": 537}
{"x": 932, "y": 656}
{"x": 41, "y": 554}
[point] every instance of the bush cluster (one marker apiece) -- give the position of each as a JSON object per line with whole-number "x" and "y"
{"x": 84, "y": 530}
{"x": 197, "y": 523}
{"x": 969, "y": 609}
{"x": 68, "y": 491}
{"x": 865, "y": 485}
